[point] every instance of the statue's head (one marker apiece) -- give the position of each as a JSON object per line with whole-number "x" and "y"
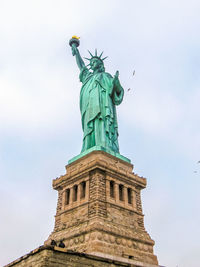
{"x": 96, "y": 62}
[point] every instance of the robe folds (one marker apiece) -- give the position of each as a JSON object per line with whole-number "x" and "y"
{"x": 98, "y": 100}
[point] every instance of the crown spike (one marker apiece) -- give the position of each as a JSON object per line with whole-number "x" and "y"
{"x": 101, "y": 54}
{"x": 90, "y": 53}
{"x": 95, "y": 52}
{"x": 87, "y": 58}
{"x": 104, "y": 58}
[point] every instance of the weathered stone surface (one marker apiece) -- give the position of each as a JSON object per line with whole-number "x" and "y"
{"x": 58, "y": 257}
{"x": 100, "y": 211}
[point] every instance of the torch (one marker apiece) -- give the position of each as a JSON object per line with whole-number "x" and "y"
{"x": 74, "y": 42}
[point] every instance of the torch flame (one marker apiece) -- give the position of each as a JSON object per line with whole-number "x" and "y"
{"x": 75, "y": 37}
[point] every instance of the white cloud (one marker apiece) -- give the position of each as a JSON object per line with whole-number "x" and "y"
{"x": 44, "y": 104}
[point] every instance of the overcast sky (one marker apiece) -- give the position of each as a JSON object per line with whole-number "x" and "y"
{"x": 159, "y": 119}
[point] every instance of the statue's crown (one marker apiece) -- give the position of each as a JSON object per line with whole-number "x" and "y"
{"x": 95, "y": 56}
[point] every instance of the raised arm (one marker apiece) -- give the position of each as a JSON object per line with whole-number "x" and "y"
{"x": 79, "y": 59}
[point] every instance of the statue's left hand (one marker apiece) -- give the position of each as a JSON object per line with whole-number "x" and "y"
{"x": 116, "y": 83}
{"x": 117, "y": 74}
{"x": 115, "y": 79}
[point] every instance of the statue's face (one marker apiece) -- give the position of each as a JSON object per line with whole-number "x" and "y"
{"x": 95, "y": 63}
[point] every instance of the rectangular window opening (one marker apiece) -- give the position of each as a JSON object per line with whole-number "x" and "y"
{"x": 112, "y": 192}
{"x": 67, "y": 196}
{"x": 83, "y": 188}
{"x": 121, "y": 192}
{"x": 75, "y": 192}
{"x": 129, "y": 192}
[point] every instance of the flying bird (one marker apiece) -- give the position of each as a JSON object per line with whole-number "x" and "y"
{"x": 129, "y": 89}
{"x": 198, "y": 161}
{"x": 133, "y": 72}
{"x": 195, "y": 171}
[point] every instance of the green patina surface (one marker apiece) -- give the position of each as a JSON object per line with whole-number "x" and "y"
{"x": 100, "y": 94}
{"x": 98, "y": 148}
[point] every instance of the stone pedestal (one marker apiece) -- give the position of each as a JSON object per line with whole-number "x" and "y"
{"x": 99, "y": 209}
{"x": 48, "y": 256}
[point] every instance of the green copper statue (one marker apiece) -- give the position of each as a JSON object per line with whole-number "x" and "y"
{"x": 100, "y": 93}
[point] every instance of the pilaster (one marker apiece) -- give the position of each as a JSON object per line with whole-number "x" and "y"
{"x": 104, "y": 211}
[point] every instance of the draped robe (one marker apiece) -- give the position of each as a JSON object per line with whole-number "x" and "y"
{"x": 98, "y": 98}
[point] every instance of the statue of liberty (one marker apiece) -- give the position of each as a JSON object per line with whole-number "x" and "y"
{"x": 99, "y": 95}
